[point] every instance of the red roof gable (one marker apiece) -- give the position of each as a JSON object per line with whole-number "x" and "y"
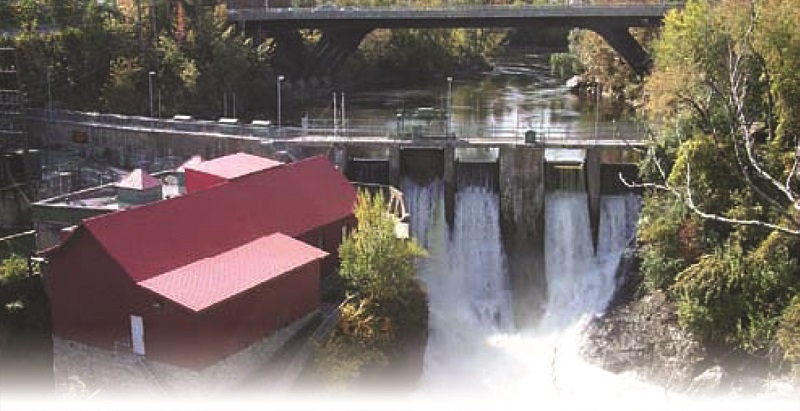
{"x": 292, "y": 199}
{"x": 208, "y": 281}
{"x": 139, "y": 180}
{"x": 234, "y": 165}
{"x": 190, "y": 162}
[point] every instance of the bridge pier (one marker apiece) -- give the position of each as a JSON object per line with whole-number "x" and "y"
{"x": 522, "y": 191}
{"x": 450, "y": 185}
{"x": 290, "y": 51}
{"x": 395, "y": 175}
{"x": 621, "y": 40}
{"x": 332, "y": 50}
{"x": 592, "y": 169}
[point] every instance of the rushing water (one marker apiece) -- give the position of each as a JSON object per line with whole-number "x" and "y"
{"x": 473, "y": 349}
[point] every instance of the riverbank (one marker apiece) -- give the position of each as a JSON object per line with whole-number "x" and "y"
{"x": 639, "y": 333}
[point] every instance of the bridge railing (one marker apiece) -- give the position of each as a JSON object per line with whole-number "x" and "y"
{"x": 273, "y": 6}
{"x": 355, "y": 129}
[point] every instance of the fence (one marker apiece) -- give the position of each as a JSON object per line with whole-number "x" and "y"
{"x": 355, "y": 129}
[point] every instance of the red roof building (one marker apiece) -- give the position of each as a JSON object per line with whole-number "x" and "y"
{"x": 208, "y": 173}
{"x": 192, "y": 279}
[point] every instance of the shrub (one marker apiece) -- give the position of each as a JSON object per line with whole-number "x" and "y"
{"x": 385, "y": 302}
{"x": 661, "y": 220}
{"x": 733, "y": 298}
{"x": 788, "y": 334}
{"x": 13, "y": 268}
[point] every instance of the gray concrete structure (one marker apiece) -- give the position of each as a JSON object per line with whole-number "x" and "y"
{"x": 127, "y": 141}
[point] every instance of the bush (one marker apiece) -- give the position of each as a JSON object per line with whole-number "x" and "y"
{"x": 733, "y": 298}
{"x": 385, "y": 304}
{"x": 660, "y": 221}
{"x": 13, "y": 268}
{"x": 789, "y": 331}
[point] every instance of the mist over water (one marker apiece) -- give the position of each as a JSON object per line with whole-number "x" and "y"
{"x": 473, "y": 349}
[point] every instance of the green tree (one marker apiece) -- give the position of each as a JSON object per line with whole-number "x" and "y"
{"x": 721, "y": 225}
{"x": 375, "y": 263}
{"x": 385, "y": 308}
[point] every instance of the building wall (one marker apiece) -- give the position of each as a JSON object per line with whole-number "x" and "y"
{"x": 328, "y": 239}
{"x": 91, "y": 298}
{"x": 197, "y": 340}
{"x": 82, "y": 371}
{"x": 198, "y": 180}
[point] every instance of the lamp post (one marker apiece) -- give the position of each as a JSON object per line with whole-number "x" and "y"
{"x": 596, "y": 107}
{"x": 278, "y": 85}
{"x": 449, "y": 105}
{"x": 150, "y": 82}
{"x": 399, "y": 125}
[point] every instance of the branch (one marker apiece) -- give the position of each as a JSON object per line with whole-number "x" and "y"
{"x": 737, "y": 100}
{"x": 689, "y": 202}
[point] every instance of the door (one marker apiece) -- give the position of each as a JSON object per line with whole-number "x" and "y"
{"x": 137, "y": 334}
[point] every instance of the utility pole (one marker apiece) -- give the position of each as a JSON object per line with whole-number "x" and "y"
{"x": 150, "y": 82}
{"x": 334, "y": 114}
{"x": 278, "y": 85}
{"x": 344, "y": 117}
{"x": 449, "y": 105}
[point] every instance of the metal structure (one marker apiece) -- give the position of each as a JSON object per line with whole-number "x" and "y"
{"x": 414, "y": 131}
{"x": 19, "y": 165}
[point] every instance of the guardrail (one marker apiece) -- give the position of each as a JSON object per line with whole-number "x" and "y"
{"x": 356, "y": 129}
{"x": 404, "y": 5}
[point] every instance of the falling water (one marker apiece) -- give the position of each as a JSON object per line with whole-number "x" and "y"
{"x": 464, "y": 309}
{"x": 473, "y": 350}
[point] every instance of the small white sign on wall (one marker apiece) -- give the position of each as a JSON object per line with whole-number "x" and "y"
{"x": 137, "y": 334}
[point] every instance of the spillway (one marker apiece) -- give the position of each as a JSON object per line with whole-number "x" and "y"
{"x": 474, "y": 352}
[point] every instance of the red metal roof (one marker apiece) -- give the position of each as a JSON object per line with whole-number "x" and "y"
{"x": 190, "y": 162}
{"x": 139, "y": 180}
{"x": 208, "y": 281}
{"x": 292, "y": 199}
{"x": 234, "y": 165}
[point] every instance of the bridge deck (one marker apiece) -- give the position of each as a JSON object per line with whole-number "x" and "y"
{"x": 461, "y": 16}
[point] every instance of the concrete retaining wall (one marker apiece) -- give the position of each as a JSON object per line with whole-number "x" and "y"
{"x": 128, "y": 147}
{"x": 82, "y": 371}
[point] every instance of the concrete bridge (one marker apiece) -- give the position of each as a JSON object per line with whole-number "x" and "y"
{"x": 344, "y": 27}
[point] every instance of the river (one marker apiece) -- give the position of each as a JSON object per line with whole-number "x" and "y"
{"x": 517, "y": 95}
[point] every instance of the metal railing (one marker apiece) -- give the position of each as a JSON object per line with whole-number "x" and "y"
{"x": 327, "y": 6}
{"x": 357, "y": 129}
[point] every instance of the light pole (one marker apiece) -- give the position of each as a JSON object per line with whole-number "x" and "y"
{"x": 278, "y": 85}
{"x": 399, "y": 122}
{"x": 449, "y": 105}
{"x": 150, "y": 82}
{"x": 596, "y": 107}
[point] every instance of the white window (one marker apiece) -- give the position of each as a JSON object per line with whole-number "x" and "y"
{"x": 137, "y": 335}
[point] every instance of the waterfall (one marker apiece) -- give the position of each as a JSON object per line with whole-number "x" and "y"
{"x": 473, "y": 351}
{"x": 465, "y": 273}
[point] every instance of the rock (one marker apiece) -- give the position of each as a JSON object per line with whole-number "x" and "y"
{"x": 575, "y": 83}
{"x": 709, "y": 381}
{"x": 643, "y": 336}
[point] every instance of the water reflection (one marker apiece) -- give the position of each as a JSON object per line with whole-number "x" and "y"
{"x": 517, "y": 95}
